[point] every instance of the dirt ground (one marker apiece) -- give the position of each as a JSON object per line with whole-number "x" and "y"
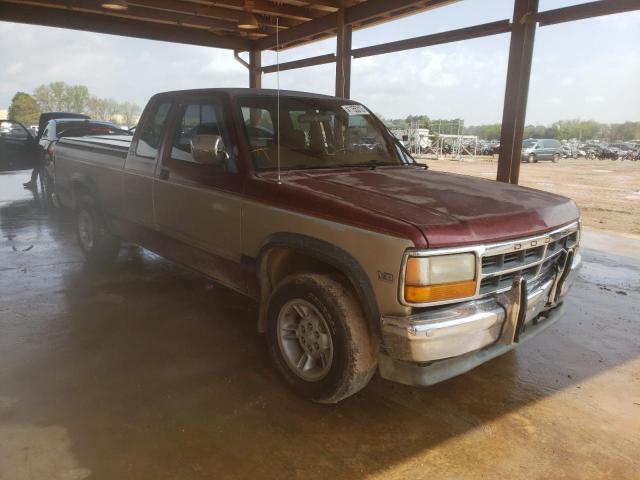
{"x": 147, "y": 371}
{"x": 607, "y": 192}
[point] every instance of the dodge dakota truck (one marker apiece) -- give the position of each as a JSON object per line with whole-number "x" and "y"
{"x": 360, "y": 258}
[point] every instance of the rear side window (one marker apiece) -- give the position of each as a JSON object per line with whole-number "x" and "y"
{"x": 151, "y": 135}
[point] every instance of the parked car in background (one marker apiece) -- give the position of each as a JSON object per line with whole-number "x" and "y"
{"x": 19, "y": 145}
{"x": 360, "y": 258}
{"x": 73, "y": 127}
{"x": 534, "y": 150}
{"x": 48, "y": 116}
{"x": 19, "y": 148}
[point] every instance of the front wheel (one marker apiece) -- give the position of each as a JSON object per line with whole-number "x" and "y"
{"x": 531, "y": 159}
{"x": 318, "y": 337}
{"x": 556, "y": 158}
{"x": 98, "y": 245}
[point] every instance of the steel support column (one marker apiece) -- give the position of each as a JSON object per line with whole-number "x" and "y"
{"x": 517, "y": 89}
{"x": 255, "y": 69}
{"x": 343, "y": 57}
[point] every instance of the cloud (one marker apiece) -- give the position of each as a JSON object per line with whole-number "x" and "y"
{"x": 594, "y": 99}
{"x": 14, "y": 68}
{"x": 438, "y": 72}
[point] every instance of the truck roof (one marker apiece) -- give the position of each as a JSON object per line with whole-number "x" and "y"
{"x": 251, "y": 91}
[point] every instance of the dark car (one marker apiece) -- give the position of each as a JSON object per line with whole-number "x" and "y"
{"x": 46, "y": 117}
{"x": 19, "y": 149}
{"x": 19, "y": 146}
{"x": 73, "y": 127}
{"x": 534, "y": 150}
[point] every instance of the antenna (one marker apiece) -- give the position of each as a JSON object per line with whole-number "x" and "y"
{"x": 278, "y": 94}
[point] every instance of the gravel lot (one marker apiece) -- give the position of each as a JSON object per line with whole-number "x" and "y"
{"x": 607, "y": 192}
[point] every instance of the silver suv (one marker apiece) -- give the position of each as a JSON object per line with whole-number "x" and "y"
{"x": 541, "y": 149}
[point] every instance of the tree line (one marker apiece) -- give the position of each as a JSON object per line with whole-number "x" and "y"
{"x": 560, "y": 130}
{"x": 61, "y": 97}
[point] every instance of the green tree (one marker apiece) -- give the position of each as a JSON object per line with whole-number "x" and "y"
{"x": 75, "y": 98}
{"x": 24, "y": 109}
{"x": 97, "y": 108}
{"x": 129, "y": 113}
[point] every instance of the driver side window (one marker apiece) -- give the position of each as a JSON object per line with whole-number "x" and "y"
{"x": 199, "y": 118}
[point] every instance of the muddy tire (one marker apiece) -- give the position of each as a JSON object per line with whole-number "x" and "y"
{"x": 98, "y": 244}
{"x": 318, "y": 337}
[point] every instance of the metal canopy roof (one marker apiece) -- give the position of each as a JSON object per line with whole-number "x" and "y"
{"x": 213, "y": 24}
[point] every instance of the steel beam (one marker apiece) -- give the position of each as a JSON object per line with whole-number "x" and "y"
{"x": 585, "y": 10}
{"x": 363, "y": 12}
{"x": 517, "y": 90}
{"x": 305, "y": 62}
{"x": 343, "y": 57}
{"x": 91, "y": 22}
{"x": 486, "y": 29}
{"x": 255, "y": 69}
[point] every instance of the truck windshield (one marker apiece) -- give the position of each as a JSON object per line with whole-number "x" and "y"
{"x": 316, "y": 133}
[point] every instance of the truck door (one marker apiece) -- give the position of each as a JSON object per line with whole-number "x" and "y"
{"x": 139, "y": 169}
{"x": 200, "y": 204}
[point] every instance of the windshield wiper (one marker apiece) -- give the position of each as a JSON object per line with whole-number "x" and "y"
{"x": 372, "y": 164}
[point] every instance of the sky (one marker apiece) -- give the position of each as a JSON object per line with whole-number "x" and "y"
{"x": 588, "y": 69}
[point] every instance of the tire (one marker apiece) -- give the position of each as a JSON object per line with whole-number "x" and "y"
{"x": 49, "y": 191}
{"x": 99, "y": 246}
{"x": 556, "y": 158}
{"x": 532, "y": 158}
{"x": 336, "y": 331}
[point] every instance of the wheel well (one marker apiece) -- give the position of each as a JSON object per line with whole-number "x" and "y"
{"x": 278, "y": 263}
{"x": 80, "y": 189}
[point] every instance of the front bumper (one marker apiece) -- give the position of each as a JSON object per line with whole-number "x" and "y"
{"x": 435, "y": 345}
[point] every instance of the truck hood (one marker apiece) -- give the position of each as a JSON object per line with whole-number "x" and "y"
{"x": 448, "y": 209}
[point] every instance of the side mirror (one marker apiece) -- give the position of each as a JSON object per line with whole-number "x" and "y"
{"x": 208, "y": 149}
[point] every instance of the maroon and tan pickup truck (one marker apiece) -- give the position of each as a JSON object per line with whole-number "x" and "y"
{"x": 360, "y": 258}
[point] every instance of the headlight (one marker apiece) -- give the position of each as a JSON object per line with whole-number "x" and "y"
{"x": 439, "y": 278}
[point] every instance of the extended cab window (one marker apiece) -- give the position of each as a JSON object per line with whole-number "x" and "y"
{"x": 198, "y": 118}
{"x": 151, "y": 135}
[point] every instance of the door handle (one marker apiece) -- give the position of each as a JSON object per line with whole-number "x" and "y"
{"x": 164, "y": 174}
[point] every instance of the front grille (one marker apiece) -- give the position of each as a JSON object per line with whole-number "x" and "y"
{"x": 534, "y": 259}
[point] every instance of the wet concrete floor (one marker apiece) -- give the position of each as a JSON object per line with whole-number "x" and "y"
{"x": 149, "y": 371}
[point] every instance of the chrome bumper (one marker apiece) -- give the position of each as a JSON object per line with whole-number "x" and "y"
{"x": 432, "y": 346}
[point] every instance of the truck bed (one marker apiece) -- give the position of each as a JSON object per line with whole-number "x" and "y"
{"x": 111, "y": 143}
{"x": 98, "y": 159}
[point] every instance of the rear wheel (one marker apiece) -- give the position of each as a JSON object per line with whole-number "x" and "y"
{"x": 49, "y": 191}
{"x": 556, "y": 158}
{"x": 318, "y": 337}
{"x": 98, "y": 245}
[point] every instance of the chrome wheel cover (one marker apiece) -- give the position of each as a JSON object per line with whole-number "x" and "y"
{"x": 304, "y": 340}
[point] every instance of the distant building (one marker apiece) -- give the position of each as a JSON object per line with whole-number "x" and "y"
{"x": 4, "y": 113}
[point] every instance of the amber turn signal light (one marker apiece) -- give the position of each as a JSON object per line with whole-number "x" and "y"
{"x": 438, "y": 293}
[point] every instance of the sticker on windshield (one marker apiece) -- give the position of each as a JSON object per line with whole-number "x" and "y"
{"x": 355, "y": 109}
